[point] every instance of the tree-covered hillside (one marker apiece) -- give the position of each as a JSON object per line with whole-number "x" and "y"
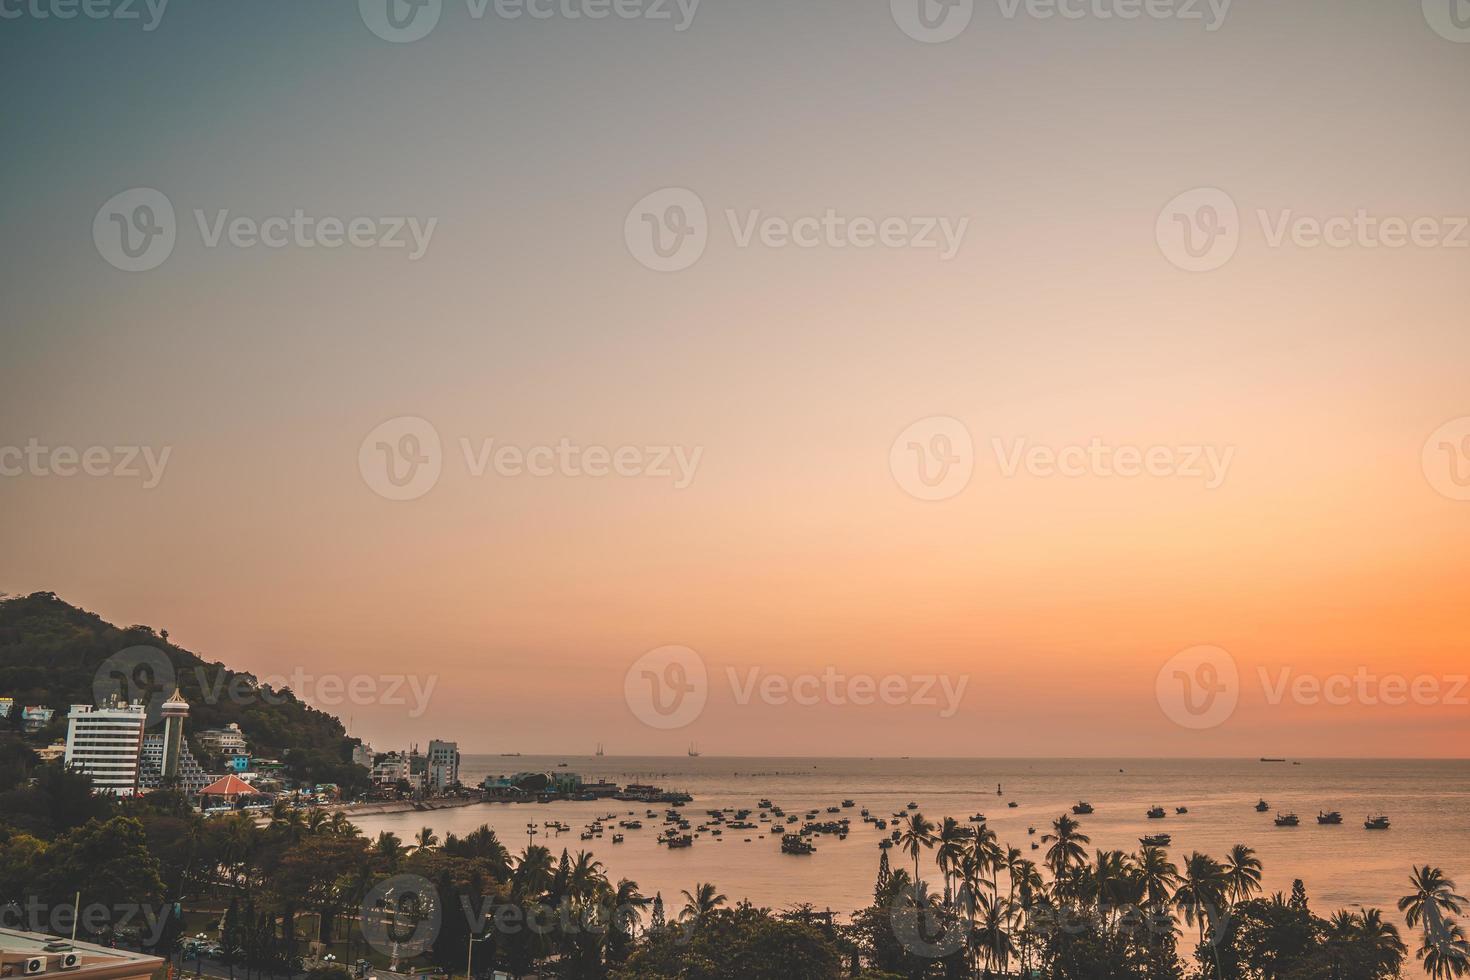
{"x": 52, "y": 654}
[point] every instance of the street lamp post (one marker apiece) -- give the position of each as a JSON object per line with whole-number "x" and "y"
{"x": 469, "y": 961}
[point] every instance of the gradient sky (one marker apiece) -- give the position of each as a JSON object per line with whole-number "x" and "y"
{"x": 528, "y": 321}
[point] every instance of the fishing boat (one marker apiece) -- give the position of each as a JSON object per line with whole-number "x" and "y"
{"x": 885, "y": 843}
{"x": 977, "y": 818}
{"x": 1082, "y": 808}
{"x": 682, "y": 841}
{"x": 1287, "y": 820}
{"x": 1329, "y": 818}
{"x": 1181, "y": 809}
{"x": 1013, "y": 804}
{"x": 693, "y": 750}
{"x": 796, "y": 844}
{"x": 848, "y": 803}
{"x": 1155, "y": 840}
{"x": 617, "y": 838}
{"x": 1031, "y": 830}
{"x": 1262, "y": 806}
{"x": 1156, "y": 813}
{"x": 1375, "y": 823}
{"x": 913, "y": 805}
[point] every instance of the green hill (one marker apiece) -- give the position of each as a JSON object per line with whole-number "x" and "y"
{"x": 52, "y": 654}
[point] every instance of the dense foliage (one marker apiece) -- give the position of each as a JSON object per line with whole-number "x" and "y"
{"x": 51, "y": 653}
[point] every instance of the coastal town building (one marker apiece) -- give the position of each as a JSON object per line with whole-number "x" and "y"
{"x": 36, "y": 955}
{"x": 105, "y": 743}
{"x": 35, "y": 717}
{"x": 226, "y": 741}
{"x": 443, "y": 766}
{"x": 362, "y": 755}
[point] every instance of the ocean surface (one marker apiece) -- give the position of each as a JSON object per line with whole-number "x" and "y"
{"x": 1343, "y": 866}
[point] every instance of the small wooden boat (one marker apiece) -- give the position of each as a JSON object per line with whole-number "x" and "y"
{"x": 1082, "y": 808}
{"x": 1262, "y": 806}
{"x": 1156, "y": 813}
{"x": 1375, "y": 823}
{"x": 796, "y": 844}
{"x": 1329, "y": 818}
{"x": 1287, "y": 820}
{"x": 1181, "y": 809}
{"x": 1155, "y": 840}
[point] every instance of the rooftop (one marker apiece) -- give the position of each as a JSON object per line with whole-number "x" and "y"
{"x": 95, "y": 962}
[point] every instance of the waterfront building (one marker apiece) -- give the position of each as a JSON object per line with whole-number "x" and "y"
{"x": 7, "y": 708}
{"x": 391, "y": 769}
{"x": 105, "y": 743}
{"x": 362, "y": 755}
{"x": 443, "y": 766}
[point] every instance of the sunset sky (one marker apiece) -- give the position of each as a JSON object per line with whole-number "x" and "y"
{"x": 1326, "y": 547}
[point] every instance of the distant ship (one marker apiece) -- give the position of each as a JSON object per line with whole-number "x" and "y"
{"x": 1264, "y": 759}
{"x": 599, "y": 750}
{"x": 693, "y": 751}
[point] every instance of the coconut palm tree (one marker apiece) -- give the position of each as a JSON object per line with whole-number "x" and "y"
{"x": 993, "y": 931}
{"x": 1242, "y": 873}
{"x": 388, "y": 849}
{"x": 1068, "y": 847}
{"x": 1445, "y": 951}
{"x": 917, "y": 834}
{"x": 425, "y": 839}
{"x": 1432, "y": 891}
{"x": 1201, "y": 894}
{"x": 701, "y": 902}
{"x": 1111, "y": 882}
{"x": 1157, "y": 876}
{"x": 953, "y": 841}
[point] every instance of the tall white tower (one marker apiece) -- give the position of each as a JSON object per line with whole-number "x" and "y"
{"x": 175, "y": 710}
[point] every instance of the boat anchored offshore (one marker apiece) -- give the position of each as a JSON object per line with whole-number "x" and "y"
{"x": 1181, "y": 809}
{"x": 1155, "y": 840}
{"x": 1375, "y": 823}
{"x": 1262, "y": 806}
{"x": 796, "y": 844}
{"x": 1082, "y": 808}
{"x": 1329, "y": 818}
{"x": 1287, "y": 820}
{"x": 1156, "y": 813}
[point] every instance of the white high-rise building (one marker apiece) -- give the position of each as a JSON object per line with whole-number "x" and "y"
{"x": 105, "y": 743}
{"x": 443, "y": 765}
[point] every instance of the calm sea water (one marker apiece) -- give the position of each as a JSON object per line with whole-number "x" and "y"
{"x": 1342, "y": 866}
